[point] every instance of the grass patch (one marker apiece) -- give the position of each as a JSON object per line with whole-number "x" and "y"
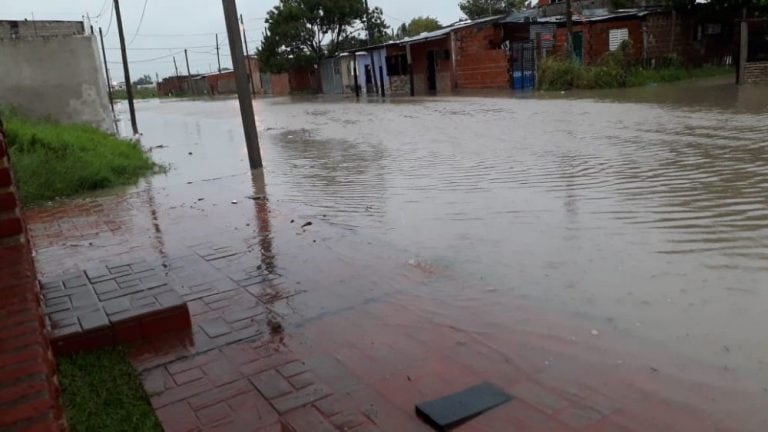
{"x": 616, "y": 70}
{"x": 138, "y": 93}
{"x": 53, "y": 160}
{"x": 101, "y": 392}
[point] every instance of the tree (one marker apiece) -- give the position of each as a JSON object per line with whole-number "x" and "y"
{"x": 418, "y": 26}
{"x": 474, "y": 9}
{"x": 303, "y": 32}
{"x": 146, "y": 79}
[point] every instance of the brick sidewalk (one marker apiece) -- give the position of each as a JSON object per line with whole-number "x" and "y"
{"x": 312, "y": 329}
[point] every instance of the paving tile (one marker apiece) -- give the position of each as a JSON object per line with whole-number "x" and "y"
{"x": 271, "y": 384}
{"x": 178, "y": 417}
{"x": 214, "y": 395}
{"x": 300, "y": 398}
{"x": 293, "y": 368}
{"x": 213, "y": 414}
{"x": 93, "y": 320}
{"x": 307, "y": 420}
{"x": 215, "y": 327}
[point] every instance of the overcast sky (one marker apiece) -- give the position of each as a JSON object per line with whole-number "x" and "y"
{"x": 169, "y": 26}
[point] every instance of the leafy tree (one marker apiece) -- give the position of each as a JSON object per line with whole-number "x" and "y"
{"x": 146, "y": 79}
{"x": 377, "y": 26}
{"x": 418, "y": 26}
{"x": 303, "y": 32}
{"x": 474, "y": 9}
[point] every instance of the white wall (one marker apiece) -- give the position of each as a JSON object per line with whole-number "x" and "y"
{"x": 62, "y": 78}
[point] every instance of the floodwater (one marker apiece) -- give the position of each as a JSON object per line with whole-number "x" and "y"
{"x": 643, "y": 211}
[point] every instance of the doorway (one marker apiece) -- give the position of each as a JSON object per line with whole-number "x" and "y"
{"x": 578, "y": 47}
{"x": 432, "y": 71}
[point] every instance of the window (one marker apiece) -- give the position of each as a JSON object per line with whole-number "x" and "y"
{"x": 397, "y": 65}
{"x": 616, "y": 37}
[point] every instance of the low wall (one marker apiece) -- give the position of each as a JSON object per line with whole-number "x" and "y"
{"x": 29, "y": 399}
{"x": 62, "y": 78}
{"x": 756, "y": 73}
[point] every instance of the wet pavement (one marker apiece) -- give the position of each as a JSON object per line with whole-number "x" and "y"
{"x": 601, "y": 256}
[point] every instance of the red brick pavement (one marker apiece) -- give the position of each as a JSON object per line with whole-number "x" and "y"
{"x": 294, "y": 332}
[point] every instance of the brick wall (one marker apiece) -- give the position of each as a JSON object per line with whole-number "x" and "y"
{"x": 304, "y": 80}
{"x": 479, "y": 64}
{"x": 444, "y": 66}
{"x": 29, "y": 390}
{"x": 400, "y": 85}
{"x": 40, "y": 29}
{"x": 756, "y": 73}
{"x": 596, "y": 38}
{"x": 281, "y": 84}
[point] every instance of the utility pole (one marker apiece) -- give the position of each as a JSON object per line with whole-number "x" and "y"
{"x": 189, "y": 74}
{"x": 218, "y": 57}
{"x": 126, "y": 72}
{"x": 569, "y": 26}
{"x": 241, "y": 82}
{"x": 178, "y": 80}
{"x": 247, "y": 58}
{"x": 370, "y": 42}
{"x": 106, "y": 70}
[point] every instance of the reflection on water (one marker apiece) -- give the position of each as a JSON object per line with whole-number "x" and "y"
{"x": 645, "y": 209}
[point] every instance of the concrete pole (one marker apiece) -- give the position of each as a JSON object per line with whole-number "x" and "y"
{"x": 743, "y": 51}
{"x": 106, "y": 70}
{"x": 218, "y": 56}
{"x": 247, "y": 58}
{"x": 126, "y": 72}
{"x": 241, "y": 81}
{"x": 569, "y": 27}
{"x": 357, "y": 80}
{"x": 410, "y": 69}
{"x": 189, "y": 74}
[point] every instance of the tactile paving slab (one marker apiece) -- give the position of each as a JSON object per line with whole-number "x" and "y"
{"x": 111, "y": 304}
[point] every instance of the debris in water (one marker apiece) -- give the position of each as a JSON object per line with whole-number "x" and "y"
{"x": 452, "y": 410}
{"x": 595, "y": 332}
{"x": 292, "y": 221}
{"x": 275, "y": 327}
{"x": 306, "y": 224}
{"x": 190, "y": 153}
{"x": 653, "y": 369}
{"x": 234, "y": 201}
{"x": 256, "y": 197}
{"x": 201, "y": 199}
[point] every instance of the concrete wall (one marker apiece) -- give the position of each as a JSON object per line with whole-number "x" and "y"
{"x": 62, "y": 78}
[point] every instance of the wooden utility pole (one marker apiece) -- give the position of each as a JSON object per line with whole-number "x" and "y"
{"x": 218, "y": 57}
{"x": 126, "y": 72}
{"x": 106, "y": 70}
{"x": 569, "y": 27}
{"x": 189, "y": 74}
{"x": 241, "y": 82}
{"x": 176, "y": 68}
{"x": 247, "y": 58}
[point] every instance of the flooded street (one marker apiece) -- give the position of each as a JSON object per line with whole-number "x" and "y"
{"x": 641, "y": 215}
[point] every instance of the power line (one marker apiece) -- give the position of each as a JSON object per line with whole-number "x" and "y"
{"x": 141, "y": 20}
{"x": 102, "y": 10}
{"x": 152, "y": 59}
{"x": 111, "y": 13}
{"x": 164, "y": 48}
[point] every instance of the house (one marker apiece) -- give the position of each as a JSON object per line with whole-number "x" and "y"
{"x": 175, "y": 85}
{"x": 753, "y": 51}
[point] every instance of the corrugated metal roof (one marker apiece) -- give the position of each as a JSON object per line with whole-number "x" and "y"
{"x": 437, "y": 34}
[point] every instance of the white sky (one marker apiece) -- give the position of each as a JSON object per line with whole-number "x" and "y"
{"x": 169, "y": 26}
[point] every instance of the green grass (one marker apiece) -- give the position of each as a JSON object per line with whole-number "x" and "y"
{"x": 137, "y": 94}
{"x": 101, "y": 392}
{"x": 52, "y": 160}
{"x": 616, "y": 70}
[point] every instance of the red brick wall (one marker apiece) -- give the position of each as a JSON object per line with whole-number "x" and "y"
{"x": 30, "y": 390}
{"x": 444, "y": 66}
{"x": 596, "y": 38}
{"x": 304, "y": 80}
{"x": 479, "y": 64}
{"x": 281, "y": 84}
